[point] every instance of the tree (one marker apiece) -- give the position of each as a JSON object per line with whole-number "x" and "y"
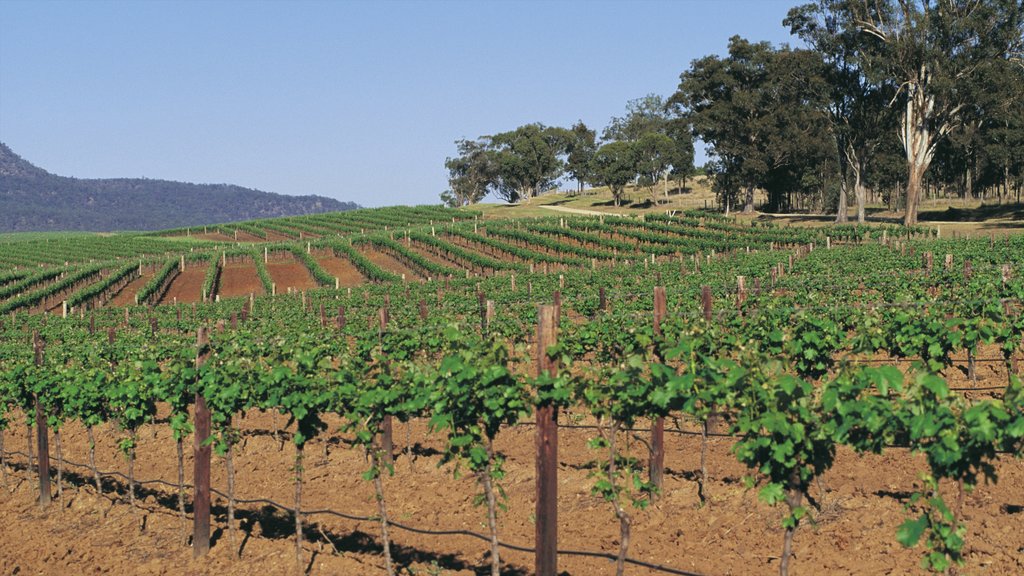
{"x": 470, "y": 174}
{"x": 759, "y": 111}
{"x": 615, "y": 167}
{"x": 653, "y": 154}
{"x": 643, "y": 115}
{"x": 528, "y": 160}
{"x": 856, "y": 108}
{"x": 933, "y": 51}
{"x": 661, "y": 138}
{"x": 581, "y": 149}
{"x": 678, "y": 129}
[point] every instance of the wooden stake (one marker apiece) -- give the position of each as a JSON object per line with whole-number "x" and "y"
{"x": 657, "y": 456}
{"x": 546, "y": 523}
{"x": 42, "y": 432}
{"x": 386, "y": 443}
{"x": 201, "y": 451}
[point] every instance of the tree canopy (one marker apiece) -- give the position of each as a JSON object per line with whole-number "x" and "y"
{"x": 896, "y": 99}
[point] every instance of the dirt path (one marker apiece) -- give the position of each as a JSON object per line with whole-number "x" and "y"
{"x": 733, "y": 533}
{"x": 346, "y": 273}
{"x": 126, "y": 296}
{"x": 239, "y": 279}
{"x": 187, "y": 287}
{"x": 388, "y": 263}
{"x": 578, "y": 211}
{"x": 216, "y": 236}
{"x": 244, "y": 236}
{"x": 275, "y": 236}
{"x": 422, "y": 251}
{"x": 290, "y": 274}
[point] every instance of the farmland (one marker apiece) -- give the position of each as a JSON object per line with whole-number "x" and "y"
{"x": 725, "y": 396}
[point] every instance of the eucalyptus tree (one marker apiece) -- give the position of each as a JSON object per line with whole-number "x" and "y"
{"x": 643, "y": 115}
{"x": 933, "y": 52}
{"x": 615, "y": 167}
{"x": 528, "y": 160}
{"x": 758, "y": 110}
{"x": 581, "y": 148}
{"x": 470, "y": 174}
{"x": 661, "y": 140}
{"x": 654, "y": 154}
{"x": 856, "y": 107}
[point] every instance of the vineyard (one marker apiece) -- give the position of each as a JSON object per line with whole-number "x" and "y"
{"x": 425, "y": 391}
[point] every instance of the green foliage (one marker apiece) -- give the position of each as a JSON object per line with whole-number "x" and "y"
{"x": 945, "y": 536}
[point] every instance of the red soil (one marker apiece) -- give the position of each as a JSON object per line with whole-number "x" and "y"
{"x": 434, "y": 257}
{"x": 187, "y": 286}
{"x": 388, "y": 263}
{"x": 862, "y": 505}
{"x": 216, "y": 236}
{"x": 274, "y": 236}
{"x": 126, "y": 297}
{"x": 239, "y": 279}
{"x": 290, "y": 274}
{"x": 244, "y": 236}
{"x": 346, "y": 273}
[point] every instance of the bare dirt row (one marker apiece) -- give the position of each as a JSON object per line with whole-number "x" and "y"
{"x": 861, "y": 504}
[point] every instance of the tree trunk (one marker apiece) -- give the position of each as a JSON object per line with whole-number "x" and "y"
{"x": 702, "y": 481}
{"x": 181, "y": 489}
{"x": 229, "y": 461}
{"x": 748, "y": 201}
{"x": 31, "y": 448}
{"x": 914, "y": 184}
{"x": 60, "y": 467}
{"x": 1006, "y": 182}
{"x": 841, "y": 211}
{"x": 625, "y": 521}
{"x": 131, "y": 474}
{"x": 492, "y": 510}
{"x": 382, "y": 509}
{"x": 3, "y": 459}
{"x": 92, "y": 462}
{"x": 859, "y": 192}
{"x": 794, "y": 497}
{"x": 916, "y": 136}
{"x": 968, "y": 185}
{"x": 298, "y": 507}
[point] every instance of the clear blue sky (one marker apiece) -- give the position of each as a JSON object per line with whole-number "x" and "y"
{"x": 358, "y": 101}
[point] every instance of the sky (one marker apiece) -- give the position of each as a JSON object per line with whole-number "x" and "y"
{"x": 355, "y": 100}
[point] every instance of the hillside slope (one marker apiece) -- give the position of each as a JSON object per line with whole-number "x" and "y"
{"x": 32, "y": 199}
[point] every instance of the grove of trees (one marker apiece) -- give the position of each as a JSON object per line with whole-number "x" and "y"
{"x": 898, "y": 100}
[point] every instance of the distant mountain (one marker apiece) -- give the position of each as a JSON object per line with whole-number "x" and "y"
{"x": 32, "y": 199}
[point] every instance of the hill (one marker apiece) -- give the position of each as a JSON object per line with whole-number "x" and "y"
{"x": 32, "y": 199}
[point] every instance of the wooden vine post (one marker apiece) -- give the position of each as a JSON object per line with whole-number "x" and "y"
{"x": 657, "y": 461}
{"x": 201, "y": 451}
{"x": 706, "y": 303}
{"x": 386, "y": 442}
{"x": 488, "y": 315}
{"x": 705, "y": 299}
{"x": 42, "y": 432}
{"x": 546, "y": 526}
